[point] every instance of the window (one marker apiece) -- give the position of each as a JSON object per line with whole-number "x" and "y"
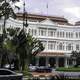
{"x": 30, "y": 31}
{"x": 63, "y": 34}
{"x": 54, "y": 33}
{"x": 33, "y": 31}
{"x": 60, "y": 46}
{"x": 71, "y": 35}
{"x": 69, "y": 47}
{"x": 51, "y": 45}
{"x": 57, "y": 34}
{"x": 60, "y": 34}
{"x": 76, "y": 35}
{"x": 50, "y": 32}
{"x": 66, "y": 34}
{"x": 42, "y": 32}
{"x": 77, "y": 46}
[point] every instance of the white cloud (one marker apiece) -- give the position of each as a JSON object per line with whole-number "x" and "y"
{"x": 36, "y": 10}
{"x": 75, "y": 11}
{"x": 68, "y": 8}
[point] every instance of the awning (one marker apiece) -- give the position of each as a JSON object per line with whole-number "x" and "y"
{"x": 50, "y": 54}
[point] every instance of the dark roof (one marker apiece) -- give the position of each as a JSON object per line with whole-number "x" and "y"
{"x": 37, "y": 17}
{"x": 43, "y": 17}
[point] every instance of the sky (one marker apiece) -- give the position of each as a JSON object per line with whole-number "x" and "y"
{"x": 69, "y": 9}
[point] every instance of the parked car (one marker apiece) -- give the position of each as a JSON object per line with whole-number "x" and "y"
{"x": 7, "y": 66}
{"x": 32, "y": 68}
{"x": 43, "y": 69}
{"x": 6, "y": 74}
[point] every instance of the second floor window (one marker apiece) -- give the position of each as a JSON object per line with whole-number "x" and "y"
{"x": 76, "y": 35}
{"x": 69, "y": 47}
{"x": 50, "y": 32}
{"x": 77, "y": 46}
{"x": 51, "y": 45}
{"x": 42, "y": 32}
{"x": 60, "y": 46}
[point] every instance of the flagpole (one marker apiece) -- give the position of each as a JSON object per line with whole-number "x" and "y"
{"x": 47, "y": 8}
{"x": 23, "y": 14}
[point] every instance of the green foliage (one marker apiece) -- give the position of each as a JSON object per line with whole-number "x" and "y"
{"x": 24, "y": 45}
{"x": 76, "y": 55}
{"x": 15, "y": 0}
{"x": 70, "y": 69}
{"x": 26, "y": 72}
{"x": 11, "y": 31}
{"x": 6, "y": 10}
{"x": 6, "y": 45}
{"x": 9, "y": 46}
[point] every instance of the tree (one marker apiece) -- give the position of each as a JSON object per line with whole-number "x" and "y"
{"x": 7, "y": 49}
{"x": 6, "y": 11}
{"x": 24, "y": 45}
{"x": 26, "y": 48}
{"x": 33, "y": 47}
{"x": 76, "y": 55}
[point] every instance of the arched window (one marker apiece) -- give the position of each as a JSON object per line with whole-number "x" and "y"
{"x": 69, "y": 47}
{"x": 60, "y": 46}
{"x": 77, "y": 46}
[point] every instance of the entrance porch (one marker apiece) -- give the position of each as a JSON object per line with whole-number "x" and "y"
{"x": 53, "y": 60}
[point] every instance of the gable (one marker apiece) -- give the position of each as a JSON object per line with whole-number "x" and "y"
{"x": 47, "y": 22}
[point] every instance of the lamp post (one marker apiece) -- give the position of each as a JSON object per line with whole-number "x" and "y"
{"x": 24, "y": 17}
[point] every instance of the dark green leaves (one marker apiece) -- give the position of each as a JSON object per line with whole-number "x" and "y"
{"x": 22, "y": 38}
{"x": 15, "y": 0}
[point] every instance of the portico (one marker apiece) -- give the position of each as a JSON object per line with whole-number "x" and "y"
{"x": 55, "y": 60}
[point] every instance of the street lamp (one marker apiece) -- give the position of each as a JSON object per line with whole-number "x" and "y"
{"x": 24, "y": 17}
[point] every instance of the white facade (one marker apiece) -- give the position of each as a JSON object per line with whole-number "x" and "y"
{"x": 55, "y": 37}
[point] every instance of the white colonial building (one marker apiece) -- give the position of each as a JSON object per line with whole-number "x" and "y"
{"x": 58, "y": 36}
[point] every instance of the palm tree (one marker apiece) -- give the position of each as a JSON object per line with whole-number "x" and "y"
{"x": 76, "y": 55}
{"x": 33, "y": 47}
{"x": 26, "y": 47}
{"x": 6, "y": 11}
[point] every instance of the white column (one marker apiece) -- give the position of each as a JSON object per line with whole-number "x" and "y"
{"x": 47, "y": 45}
{"x": 57, "y": 62}
{"x": 66, "y": 62}
{"x": 56, "y": 45}
{"x": 74, "y": 46}
{"x": 65, "y": 46}
{"x": 47, "y": 32}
